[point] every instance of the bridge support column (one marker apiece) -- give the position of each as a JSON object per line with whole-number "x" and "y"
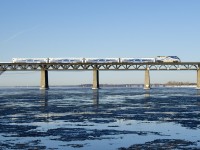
{"x": 95, "y": 79}
{"x": 147, "y": 80}
{"x": 44, "y": 84}
{"x": 198, "y": 78}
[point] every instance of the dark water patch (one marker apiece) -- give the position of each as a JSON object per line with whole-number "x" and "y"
{"x": 32, "y": 145}
{"x": 81, "y": 134}
{"x": 15, "y": 130}
{"x": 76, "y": 145}
{"x": 163, "y": 144}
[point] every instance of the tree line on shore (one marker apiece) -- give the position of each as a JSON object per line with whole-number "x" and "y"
{"x": 179, "y": 83}
{"x": 169, "y": 83}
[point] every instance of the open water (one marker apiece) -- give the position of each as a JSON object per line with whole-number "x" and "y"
{"x": 109, "y": 118}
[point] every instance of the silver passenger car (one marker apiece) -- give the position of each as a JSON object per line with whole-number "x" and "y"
{"x": 137, "y": 60}
{"x": 65, "y": 60}
{"x": 101, "y": 60}
{"x": 30, "y": 60}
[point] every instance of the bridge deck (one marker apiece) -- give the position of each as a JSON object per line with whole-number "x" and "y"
{"x": 98, "y": 66}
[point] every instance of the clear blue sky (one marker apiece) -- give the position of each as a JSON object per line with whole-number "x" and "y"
{"x": 98, "y": 28}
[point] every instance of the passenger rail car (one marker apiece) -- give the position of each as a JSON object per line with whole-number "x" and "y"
{"x": 30, "y": 60}
{"x": 66, "y": 60}
{"x": 101, "y": 60}
{"x": 137, "y": 60}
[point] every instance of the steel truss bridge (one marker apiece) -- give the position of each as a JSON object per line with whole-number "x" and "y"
{"x": 99, "y": 66}
{"x": 96, "y": 67}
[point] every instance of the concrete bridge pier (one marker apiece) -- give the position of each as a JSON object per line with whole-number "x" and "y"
{"x": 44, "y": 83}
{"x": 147, "y": 85}
{"x": 198, "y": 78}
{"x": 95, "y": 79}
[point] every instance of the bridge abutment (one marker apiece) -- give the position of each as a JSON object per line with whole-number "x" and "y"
{"x": 147, "y": 80}
{"x": 95, "y": 79}
{"x": 44, "y": 83}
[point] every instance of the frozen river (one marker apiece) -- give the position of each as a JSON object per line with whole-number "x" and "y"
{"x": 109, "y": 118}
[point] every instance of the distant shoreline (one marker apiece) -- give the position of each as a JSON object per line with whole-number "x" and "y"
{"x": 105, "y": 85}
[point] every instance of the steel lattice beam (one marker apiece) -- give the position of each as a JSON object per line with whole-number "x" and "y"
{"x": 100, "y": 66}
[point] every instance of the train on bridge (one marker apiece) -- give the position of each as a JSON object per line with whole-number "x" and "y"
{"x": 171, "y": 59}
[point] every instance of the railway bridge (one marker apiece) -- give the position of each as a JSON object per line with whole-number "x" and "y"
{"x": 96, "y": 67}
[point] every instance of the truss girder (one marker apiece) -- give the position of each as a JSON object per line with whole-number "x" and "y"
{"x": 103, "y": 66}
